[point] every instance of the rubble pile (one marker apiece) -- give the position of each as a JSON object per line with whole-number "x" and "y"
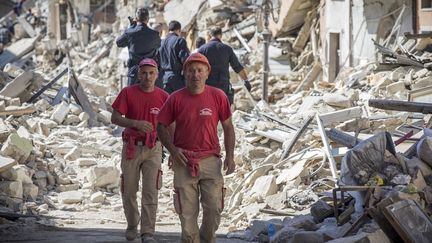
{"x": 328, "y": 161}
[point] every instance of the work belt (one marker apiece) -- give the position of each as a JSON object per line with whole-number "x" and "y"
{"x": 139, "y": 143}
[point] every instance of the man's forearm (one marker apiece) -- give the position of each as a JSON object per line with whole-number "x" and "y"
{"x": 165, "y": 137}
{"x": 229, "y": 141}
{"x": 243, "y": 74}
{"x": 123, "y": 121}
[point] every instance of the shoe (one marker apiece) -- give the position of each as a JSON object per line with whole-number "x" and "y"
{"x": 148, "y": 238}
{"x": 131, "y": 233}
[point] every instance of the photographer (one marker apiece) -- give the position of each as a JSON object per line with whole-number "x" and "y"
{"x": 141, "y": 41}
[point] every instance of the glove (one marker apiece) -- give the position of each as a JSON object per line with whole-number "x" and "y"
{"x": 247, "y": 85}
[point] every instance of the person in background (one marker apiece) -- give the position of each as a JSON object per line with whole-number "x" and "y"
{"x": 141, "y": 41}
{"x": 221, "y": 56}
{"x": 173, "y": 53}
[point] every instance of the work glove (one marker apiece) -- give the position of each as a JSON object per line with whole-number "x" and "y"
{"x": 247, "y": 85}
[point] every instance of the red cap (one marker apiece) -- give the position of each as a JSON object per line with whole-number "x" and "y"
{"x": 148, "y": 62}
{"x": 197, "y": 57}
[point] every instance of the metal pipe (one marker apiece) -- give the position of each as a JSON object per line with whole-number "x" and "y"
{"x": 266, "y": 41}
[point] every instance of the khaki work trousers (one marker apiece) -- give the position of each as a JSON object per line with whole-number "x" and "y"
{"x": 147, "y": 162}
{"x": 207, "y": 187}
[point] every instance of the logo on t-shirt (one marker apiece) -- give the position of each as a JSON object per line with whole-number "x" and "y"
{"x": 154, "y": 110}
{"x": 206, "y": 112}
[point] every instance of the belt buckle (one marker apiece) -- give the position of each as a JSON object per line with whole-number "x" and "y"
{"x": 140, "y": 143}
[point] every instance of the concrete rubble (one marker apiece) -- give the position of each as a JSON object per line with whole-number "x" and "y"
{"x": 317, "y": 162}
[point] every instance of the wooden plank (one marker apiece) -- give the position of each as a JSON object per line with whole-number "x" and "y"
{"x": 333, "y": 68}
{"x": 19, "y": 111}
{"x": 6, "y": 163}
{"x": 242, "y": 40}
{"x": 77, "y": 91}
{"x": 304, "y": 33}
{"x": 310, "y": 77}
{"x": 341, "y": 115}
{"x": 327, "y": 147}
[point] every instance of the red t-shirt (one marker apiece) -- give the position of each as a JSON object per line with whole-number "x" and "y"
{"x": 134, "y": 103}
{"x": 196, "y": 118}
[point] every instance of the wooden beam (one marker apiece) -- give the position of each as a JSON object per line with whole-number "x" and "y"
{"x": 310, "y": 77}
{"x": 327, "y": 148}
{"x": 19, "y": 111}
{"x": 242, "y": 40}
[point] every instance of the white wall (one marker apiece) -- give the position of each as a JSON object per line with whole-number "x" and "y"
{"x": 335, "y": 18}
{"x": 367, "y": 16}
{"x": 365, "y": 22}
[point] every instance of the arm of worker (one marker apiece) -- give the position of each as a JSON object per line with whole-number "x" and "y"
{"x": 164, "y": 135}
{"x": 229, "y": 140}
{"x": 118, "y": 119}
{"x": 244, "y": 77}
{"x": 122, "y": 41}
{"x": 238, "y": 68}
{"x": 183, "y": 52}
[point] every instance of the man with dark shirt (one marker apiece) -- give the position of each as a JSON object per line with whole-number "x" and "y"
{"x": 141, "y": 41}
{"x": 172, "y": 54}
{"x": 221, "y": 56}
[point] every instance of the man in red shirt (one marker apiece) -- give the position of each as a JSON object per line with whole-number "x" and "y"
{"x": 136, "y": 109}
{"x": 195, "y": 151}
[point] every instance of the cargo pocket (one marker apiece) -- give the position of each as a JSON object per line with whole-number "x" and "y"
{"x": 159, "y": 179}
{"x": 122, "y": 183}
{"x": 223, "y": 197}
{"x": 177, "y": 201}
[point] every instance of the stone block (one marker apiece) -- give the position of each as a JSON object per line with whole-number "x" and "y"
{"x": 321, "y": 210}
{"x": 305, "y": 222}
{"x": 337, "y": 100}
{"x": 71, "y": 197}
{"x": 13, "y": 102}
{"x": 396, "y": 87}
{"x": 68, "y": 187}
{"x": 42, "y": 105}
{"x": 30, "y": 191}
{"x": 307, "y": 237}
{"x": 97, "y": 197}
{"x": 20, "y": 173}
{"x": 75, "y": 109}
{"x": 72, "y": 120}
{"x": 82, "y": 162}
{"x": 264, "y": 186}
{"x": 60, "y": 112}
{"x": 104, "y": 117}
{"x": 103, "y": 176}
{"x": 17, "y": 147}
{"x": 12, "y": 188}
{"x": 73, "y": 154}
{"x": 84, "y": 116}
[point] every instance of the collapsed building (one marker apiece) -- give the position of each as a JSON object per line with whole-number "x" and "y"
{"x": 339, "y": 152}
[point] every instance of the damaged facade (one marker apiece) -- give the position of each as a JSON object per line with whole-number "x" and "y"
{"x": 339, "y": 153}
